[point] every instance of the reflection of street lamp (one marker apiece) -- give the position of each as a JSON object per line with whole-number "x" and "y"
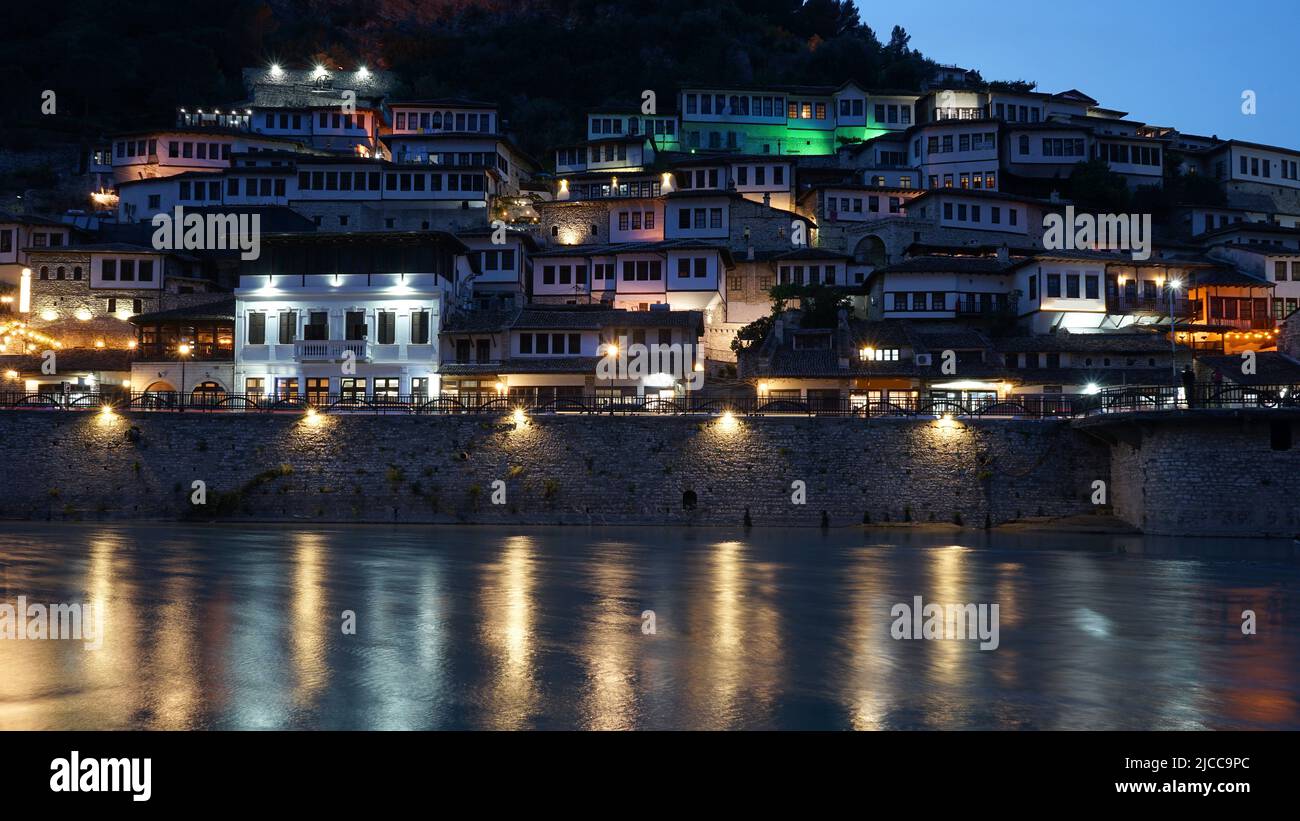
{"x": 184, "y": 351}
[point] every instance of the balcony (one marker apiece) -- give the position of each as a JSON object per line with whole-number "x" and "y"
{"x": 1258, "y": 323}
{"x": 199, "y": 352}
{"x": 1129, "y": 304}
{"x": 331, "y": 350}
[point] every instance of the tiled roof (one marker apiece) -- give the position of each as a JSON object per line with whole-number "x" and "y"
{"x": 950, "y": 339}
{"x": 811, "y": 253}
{"x": 1101, "y": 377}
{"x": 31, "y": 219}
{"x": 1084, "y": 343}
{"x": 944, "y": 264}
{"x": 480, "y": 321}
{"x": 1229, "y": 276}
{"x": 73, "y": 360}
{"x": 1271, "y": 368}
{"x": 1247, "y": 201}
{"x": 217, "y": 310}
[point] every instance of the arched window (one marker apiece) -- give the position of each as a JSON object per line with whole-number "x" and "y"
{"x": 437, "y": 119}
{"x": 45, "y": 272}
{"x": 76, "y": 273}
{"x": 60, "y": 273}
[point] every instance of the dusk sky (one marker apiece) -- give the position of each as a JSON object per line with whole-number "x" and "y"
{"x": 1183, "y": 65}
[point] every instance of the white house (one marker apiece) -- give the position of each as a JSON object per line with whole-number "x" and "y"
{"x": 350, "y": 317}
{"x": 18, "y": 234}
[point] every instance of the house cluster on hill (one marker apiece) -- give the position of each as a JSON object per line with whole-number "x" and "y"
{"x": 812, "y": 243}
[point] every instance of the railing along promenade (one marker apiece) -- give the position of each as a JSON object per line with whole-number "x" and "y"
{"x": 1117, "y": 400}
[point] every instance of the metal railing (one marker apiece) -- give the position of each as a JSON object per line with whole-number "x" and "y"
{"x": 1137, "y": 399}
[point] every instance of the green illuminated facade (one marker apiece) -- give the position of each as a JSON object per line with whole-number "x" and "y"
{"x": 789, "y": 120}
{"x": 756, "y": 138}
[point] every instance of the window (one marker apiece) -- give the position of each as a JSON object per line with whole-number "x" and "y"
{"x": 1054, "y": 285}
{"x": 318, "y": 390}
{"x": 387, "y": 321}
{"x": 257, "y": 329}
{"x": 352, "y": 388}
{"x": 288, "y": 326}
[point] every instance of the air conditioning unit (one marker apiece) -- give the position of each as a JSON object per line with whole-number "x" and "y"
{"x": 923, "y": 359}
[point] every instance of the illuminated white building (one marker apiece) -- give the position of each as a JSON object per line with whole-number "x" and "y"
{"x": 344, "y": 316}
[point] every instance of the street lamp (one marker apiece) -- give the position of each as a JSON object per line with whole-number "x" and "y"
{"x": 1174, "y": 285}
{"x": 184, "y": 351}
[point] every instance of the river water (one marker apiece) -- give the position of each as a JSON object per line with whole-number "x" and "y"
{"x": 245, "y": 627}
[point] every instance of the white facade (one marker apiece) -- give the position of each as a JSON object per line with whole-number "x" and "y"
{"x": 18, "y": 235}
{"x": 377, "y": 337}
{"x": 957, "y": 154}
{"x": 1060, "y": 294}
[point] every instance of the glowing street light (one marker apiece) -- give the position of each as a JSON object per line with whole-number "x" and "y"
{"x": 184, "y": 350}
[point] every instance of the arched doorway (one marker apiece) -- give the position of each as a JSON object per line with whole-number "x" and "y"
{"x": 207, "y": 393}
{"x": 160, "y": 394}
{"x": 870, "y": 250}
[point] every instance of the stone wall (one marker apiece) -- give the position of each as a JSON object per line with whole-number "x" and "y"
{"x": 569, "y": 470}
{"x": 1212, "y": 475}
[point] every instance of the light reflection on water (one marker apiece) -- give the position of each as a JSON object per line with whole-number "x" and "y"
{"x": 241, "y": 627}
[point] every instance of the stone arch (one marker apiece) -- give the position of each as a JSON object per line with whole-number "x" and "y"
{"x": 160, "y": 386}
{"x": 871, "y": 250}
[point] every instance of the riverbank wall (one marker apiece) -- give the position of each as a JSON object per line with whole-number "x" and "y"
{"x": 545, "y": 470}
{"x": 1215, "y": 477}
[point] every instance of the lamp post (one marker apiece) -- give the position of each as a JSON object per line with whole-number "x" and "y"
{"x": 184, "y": 351}
{"x": 867, "y": 355}
{"x": 1174, "y": 285}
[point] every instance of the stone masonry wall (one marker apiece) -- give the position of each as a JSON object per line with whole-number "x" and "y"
{"x": 570, "y": 470}
{"x": 1212, "y": 477}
